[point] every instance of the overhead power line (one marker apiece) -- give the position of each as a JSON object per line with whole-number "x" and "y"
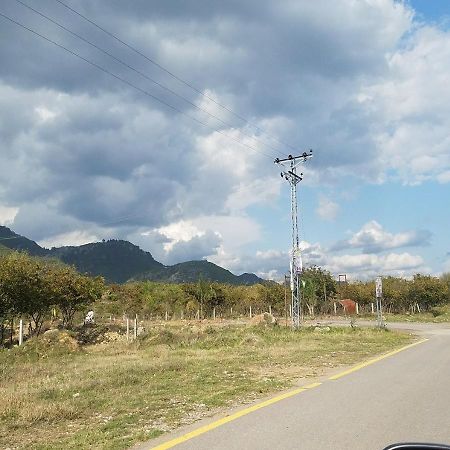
{"x": 173, "y": 75}
{"x": 123, "y": 80}
{"x": 160, "y": 85}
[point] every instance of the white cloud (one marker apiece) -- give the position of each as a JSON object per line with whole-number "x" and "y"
{"x": 45, "y": 114}
{"x": 7, "y": 214}
{"x": 263, "y": 190}
{"x": 361, "y": 81}
{"x": 444, "y": 177}
{"x": 327, "y": 209}
{"x": 274, "y": 263}
{"x": 372, "y": 238}
{"x": 182, "y": 231}
{"x": 365, "y": 266}
{"x": 412, "y": 105}
{"x": 77, "y": 237}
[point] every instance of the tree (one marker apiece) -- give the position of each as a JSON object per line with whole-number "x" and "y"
{"x": 395, "y": 293}
{"x": 24, "y": 285}
{"x": 72, "y": 291}
{"x": 426, "y": 291}
{"x": 319, "y": 286}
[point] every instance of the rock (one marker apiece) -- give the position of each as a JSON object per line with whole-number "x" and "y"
{"x": 50, "y": 334}
{"x": 321, "y": 329}
{"x": 263, "y": 319}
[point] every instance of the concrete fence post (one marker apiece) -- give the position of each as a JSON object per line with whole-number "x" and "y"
{"x": 20, "y": 332}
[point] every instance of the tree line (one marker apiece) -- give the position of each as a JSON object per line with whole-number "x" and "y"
{"x": 205, "y": 298}
{"x": 400, "y": 295}
{"x": 38, "y": 289}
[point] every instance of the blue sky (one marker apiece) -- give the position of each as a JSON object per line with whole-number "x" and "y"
{"x": 365, "y": 84}
{"x": 434, "y": 10}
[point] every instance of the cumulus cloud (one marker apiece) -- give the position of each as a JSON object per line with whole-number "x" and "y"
{"x": 327, "y": 209}
{"x": 71, "y": 238}
{"x": 372, "y": 238}
{"x": 87, "y": 156}
{"x": 273, "y": 264}
{"x": 197, "y": 248}
{"x": 7, "y": 214}
{"x": 365, "y": 266}
{"x": 412, "y": 108}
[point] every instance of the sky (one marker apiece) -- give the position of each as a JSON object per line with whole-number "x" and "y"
{"x": 178, "y": 156}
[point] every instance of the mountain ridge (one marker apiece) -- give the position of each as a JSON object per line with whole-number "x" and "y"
{"x": 119, "y": 261}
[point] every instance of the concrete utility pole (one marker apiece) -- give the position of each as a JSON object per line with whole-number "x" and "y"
{"x": 289, "y": 173}
{"x": 379, "y": 296}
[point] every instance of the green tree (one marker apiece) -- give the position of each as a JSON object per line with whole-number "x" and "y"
{"x": 25, "y": 286}
{"x": 72, "y": 291}
{"x": 426, "y": 291}
{"x": 318, "y": 287}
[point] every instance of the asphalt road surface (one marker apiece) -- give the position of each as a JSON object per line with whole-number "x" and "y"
{"x": 404, "y": 397}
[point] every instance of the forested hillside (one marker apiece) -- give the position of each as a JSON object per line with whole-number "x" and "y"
{"x": 119, "y": 261}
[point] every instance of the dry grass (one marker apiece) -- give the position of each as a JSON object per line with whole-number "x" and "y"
{"x": 110, "y": 396}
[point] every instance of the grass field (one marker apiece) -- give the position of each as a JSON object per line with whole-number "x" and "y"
{"x": 439, "y": 314}
{"x": 109, "y": 396}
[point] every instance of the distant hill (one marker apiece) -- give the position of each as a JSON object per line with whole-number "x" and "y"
{"x": 192, "y": 271}
{"x": 17, "y": 242}
{"x": 119, "y": 261}
{"x": 116, "y": 260}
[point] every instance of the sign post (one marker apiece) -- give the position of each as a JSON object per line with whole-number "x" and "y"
{"x": 379, "y": 295}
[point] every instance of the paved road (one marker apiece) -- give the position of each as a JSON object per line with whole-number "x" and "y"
{"x": 405, "y": 397}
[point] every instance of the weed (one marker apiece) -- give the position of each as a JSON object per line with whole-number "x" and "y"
{"x": 115, "y": 394}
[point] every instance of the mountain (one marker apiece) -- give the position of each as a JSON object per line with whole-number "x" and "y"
{"x": 192, "y": 271}
{"x": 116, "y": 260}
{"x": 17, "y": 242}
{"x": 120, "y": 261}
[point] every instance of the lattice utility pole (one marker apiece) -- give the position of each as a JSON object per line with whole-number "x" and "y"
{"x": 289, "y": 173}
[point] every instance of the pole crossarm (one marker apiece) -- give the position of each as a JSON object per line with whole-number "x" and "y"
{"x": 290, "y": 165}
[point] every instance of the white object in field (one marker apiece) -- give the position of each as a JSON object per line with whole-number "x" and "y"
{"x": 89, "y": 317}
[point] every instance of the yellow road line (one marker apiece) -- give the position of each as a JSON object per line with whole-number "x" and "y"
{"x": 232, "y": 417}
{"x": 244, "y": 412}
{"x": 374, "y": 360}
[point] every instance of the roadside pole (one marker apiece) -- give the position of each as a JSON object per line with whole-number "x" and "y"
{"x": 379, "y": 295}
{"x": 21, "y": 332}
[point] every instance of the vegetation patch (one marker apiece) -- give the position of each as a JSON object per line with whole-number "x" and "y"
{"x": 112, "y": 395}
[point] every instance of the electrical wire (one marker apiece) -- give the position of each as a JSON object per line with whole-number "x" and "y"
{"x": 123, "y": 80}
{"x": 173, "y": 75}
{"x": 160, "y": 85}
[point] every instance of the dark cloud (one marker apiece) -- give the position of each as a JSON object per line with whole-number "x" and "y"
{"x": 85, "y": 149}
